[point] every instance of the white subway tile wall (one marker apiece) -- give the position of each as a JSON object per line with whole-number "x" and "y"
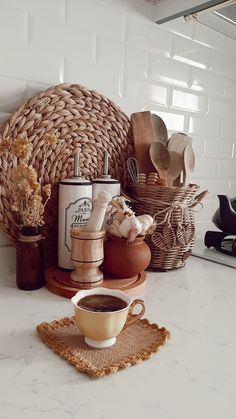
{"x": 190, "y": 52}
{"x": 184, "y": 72}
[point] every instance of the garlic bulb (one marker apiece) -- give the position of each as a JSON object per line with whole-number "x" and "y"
{"x": 146, "y": 222}
{"x": 130, "y": 223}
{"x": 126, "y": 224}
{"x": 113, "y": 229}
{"x": 145, "y": 218}
{"x": 119, "y": 216}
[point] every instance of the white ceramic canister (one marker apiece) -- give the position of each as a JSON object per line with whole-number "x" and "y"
{"x": 112, "y": 186}
{"x": 105, "y": 182}
{"x": 75, "y": 206}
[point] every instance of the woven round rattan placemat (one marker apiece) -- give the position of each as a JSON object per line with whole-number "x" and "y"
{"x": 80, "y": 118}
{"x": 134, "y": 344}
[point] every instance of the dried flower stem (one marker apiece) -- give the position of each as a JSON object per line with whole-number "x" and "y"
{"x": 28, "y": 196}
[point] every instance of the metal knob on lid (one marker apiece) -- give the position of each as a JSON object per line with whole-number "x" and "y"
{"x": 105, "y": 182}
{"x": 106, "y": 165}
{"x": 76, "y": 165}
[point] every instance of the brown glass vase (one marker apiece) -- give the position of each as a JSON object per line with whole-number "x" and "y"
{"x": 123, "y": 259}
{"x": 29, "y": 259}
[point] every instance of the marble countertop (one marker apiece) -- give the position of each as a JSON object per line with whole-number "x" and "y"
{"x": 193, "y": 376}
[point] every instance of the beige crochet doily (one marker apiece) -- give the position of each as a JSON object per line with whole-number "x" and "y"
{"x": 79, "y": 118}
{"x": 134, "y": 344}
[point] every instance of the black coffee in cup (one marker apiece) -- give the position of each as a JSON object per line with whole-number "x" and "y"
{"x": 101, "y": 303}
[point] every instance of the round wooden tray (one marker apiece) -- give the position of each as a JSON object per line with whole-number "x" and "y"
{"x": 59, "y": 282}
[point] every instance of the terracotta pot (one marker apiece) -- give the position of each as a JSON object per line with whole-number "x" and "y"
{"x": 123, "y": 259}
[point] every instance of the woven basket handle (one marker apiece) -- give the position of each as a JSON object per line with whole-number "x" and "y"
{"x": 137, "y": 316}
{"x": 198, "y": 198}
{"x": 126, "y": 196}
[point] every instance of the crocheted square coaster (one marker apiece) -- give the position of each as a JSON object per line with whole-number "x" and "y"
{"x": 134, "y": 344}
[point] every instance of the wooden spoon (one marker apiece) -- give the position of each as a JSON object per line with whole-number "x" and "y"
{"x": 189, "y": 163}
{"x": 160, "y": 159}
{"x": 175, "y": 168}
{"x": 178, "y": 142}
{"x": 176, "y": 146}
{"x": 160, "y": 130}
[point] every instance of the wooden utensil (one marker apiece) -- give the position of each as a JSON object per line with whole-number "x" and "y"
{"x": 198, "y": 198}
{"x": 177, "y": 181}
{"x": 160, "y": 159}
{"x": 160, "y": 130}
{"x": 143, "y": 137}
{"x": 189, "y": 163}
{"x": 178, "y": 142}
{"x": 176, "y": 146}
{"x": 175, "y": 168}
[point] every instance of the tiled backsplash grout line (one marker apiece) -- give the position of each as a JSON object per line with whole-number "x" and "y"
{"x": 95, "y": 49}
{"x": 122, "y": 76}
{"x": 190, "y": 78}
{"x": 65, "y": 10}
{"x": 26, "y": 28}
{"x": 186, "y": 123}
{"x": 62, "y": 70}
{"x": 148, "y": 66}
{"x": 172, "y": 45}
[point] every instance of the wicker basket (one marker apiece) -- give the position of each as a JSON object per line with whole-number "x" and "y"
{"x": 172, "y": 209}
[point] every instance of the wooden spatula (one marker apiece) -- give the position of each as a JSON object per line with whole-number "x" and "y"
{"x": 161, "y": 159}
{"x": 143, "y": 137}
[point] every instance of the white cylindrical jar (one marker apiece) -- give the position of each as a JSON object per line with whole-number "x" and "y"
{"x": 74, "y": 209}
{"x": 112, "y": 186}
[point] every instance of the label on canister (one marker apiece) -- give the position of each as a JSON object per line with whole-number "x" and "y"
{"x": 75, "y": 206}
{"x": 77, "y": 214}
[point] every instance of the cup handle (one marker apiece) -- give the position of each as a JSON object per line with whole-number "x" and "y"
{"x": 138, "y": 316}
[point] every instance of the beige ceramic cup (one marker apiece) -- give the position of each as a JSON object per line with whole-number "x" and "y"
{"x": 101, "y": 328}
